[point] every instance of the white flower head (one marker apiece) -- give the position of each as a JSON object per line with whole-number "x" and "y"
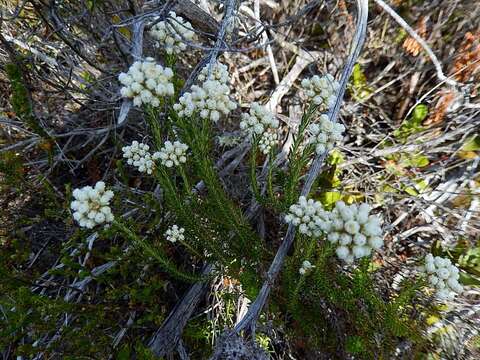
{"x": 146, "y": 82}
{"x": 175, "y": 233}
{"x": 443, "y": 276}
{"x": 343, "y": 252}
{"x": 137, "y": 155}
{"x": 210, "y": 100}
{"x": 218, "y": 72}
{"x": 355, "y": 231}
{"x": 321, "y": 90}
{"x": 258, "y": 120}
{"x": 309, "y": 216}
{"x": 267, "y": 142}
{"x": 172, "y": 33}
{"x": 172, "y": 154}
{"x": 325, "y": 134}
{"x": 91, "y": 205}
{"x": 306, "y": 267}
{"x": 262, "y": 123}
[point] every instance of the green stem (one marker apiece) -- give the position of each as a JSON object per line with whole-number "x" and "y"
{"x": 186, "y": 183}
{"x": 310, "y": 247}
{"x": 189, "y": 247}
{"x": 167, "y": 265}
{"x": 253, "y": 172}
{"x": 154, "y": 125}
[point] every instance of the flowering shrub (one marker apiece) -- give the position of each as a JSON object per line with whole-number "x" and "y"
{"x": 91, "y": 205}
{"x": 351, "y": 229}
{"x": 443, "y": 276}
{"x": 146, "y": 83}
{"x": 227, "y": 202}
{"x": 172, "y": 33}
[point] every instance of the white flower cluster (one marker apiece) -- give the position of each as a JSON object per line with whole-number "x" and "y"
{"x": 172, "y": 153}
{"x": 91, "y": 205}
{"x": 175, "y": 233}
{"x": 268, "y": 140}
{"x": 355, "y": 231}
{"x": 443, "y": 276}
{"x": 306, "y": 267}
{"x": 258, "y": 120}
{"x": 309, "y": 216}
{"x": 137, "y": 155}
{"x": 322, "y": 90}
{"x": 261, "y": 122}
{"x": 210, "y": 100}
{"x": 351, "y": 227}
{"x": 172, "y": 33}
{"x": 145, "y": 82}
{"x": 219, "y": 72}
{"x": 325, "y": 134}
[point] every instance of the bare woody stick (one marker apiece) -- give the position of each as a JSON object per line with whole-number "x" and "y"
{"x": 137, "y": 48}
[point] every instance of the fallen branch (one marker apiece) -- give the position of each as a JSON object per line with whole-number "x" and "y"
{"x": 168, "y": 336}
{"x": 197, "y": 17}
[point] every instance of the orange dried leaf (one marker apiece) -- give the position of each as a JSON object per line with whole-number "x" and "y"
{"x": 230, "y": 282}
{"x": 441, "y": 108}
{"x": 468, "y": 60}
{"x": 410, "y": 45}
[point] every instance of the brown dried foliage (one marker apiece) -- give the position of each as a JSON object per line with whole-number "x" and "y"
{"x": 468, "y": 61}
{"x": 464, "y": 67}
{"x": 446, "y": 98}
{"x": 410, "y": 45}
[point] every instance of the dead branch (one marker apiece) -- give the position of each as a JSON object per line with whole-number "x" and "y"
{"x": 166, "y": 339}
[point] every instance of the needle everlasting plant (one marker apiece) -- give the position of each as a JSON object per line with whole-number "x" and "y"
{"x": 229, "y": 193}
{"x": 336, "y": 241}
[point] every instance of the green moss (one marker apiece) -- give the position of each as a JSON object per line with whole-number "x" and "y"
{"x": 11, "y": 167}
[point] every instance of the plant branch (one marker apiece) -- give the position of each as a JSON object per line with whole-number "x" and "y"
{"x": 251, "y": 317}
